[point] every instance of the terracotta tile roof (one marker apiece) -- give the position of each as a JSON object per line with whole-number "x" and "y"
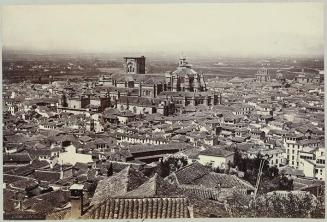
{"x": 85, "y": 138}
{"x": 140, "y": 208}
{"x": 140, "y": 148}
{"x": 118, "y": 184}
{"x": 24, "y": 184}
{"x": 47, "y": 202}
{"x": 198, "y": 175}
{"x": 214, "y": 180}
{"x": 16, "y": 158}
{"x": 38, "y": 164}
{"x": 47, "y": 176}
{"x": 60, "y": 214}
{"x": 23, "y": 170}
{"x": 216, "y": 152}
{"x": 9, "y": 178}
{"x": 156, "y": 186}
{"x": 191, "y": 172}
{"x": 201, "y": 192}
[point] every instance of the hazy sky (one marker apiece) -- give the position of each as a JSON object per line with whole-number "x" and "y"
{"x": 226, "y": 29}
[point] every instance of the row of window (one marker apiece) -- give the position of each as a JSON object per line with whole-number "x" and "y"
{"x": 122, "y": 108}
{"x": 288, "y": 151}
{"x": 320, "y": 161}
{"x": 306, "y": 157}
{"x": 146, "y": 92}
{"x": 130, "y": 69}
{"x": 297, "y": 163}
{"x": 317, "y": 171}
{"x": 292, "y": 145}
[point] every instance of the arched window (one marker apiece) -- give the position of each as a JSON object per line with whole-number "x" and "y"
{"x": 134, "y": 109}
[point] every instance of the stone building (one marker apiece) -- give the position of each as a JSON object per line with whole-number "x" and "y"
{"x": 83, "y": 104}
{"x": 134, "y": 65}
{"x": 154, "y": 93}
{"x": 185, "y": 79}
{"x": 262, "y": 75}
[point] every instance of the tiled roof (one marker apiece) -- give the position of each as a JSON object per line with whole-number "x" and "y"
{"x": 189, "y": 173}
{"x": 140, "y": 208}
{"x": 60, "y": 214}
{"x": 216, "y": 152}
{"x": 198, "y": 175}
{"x": 155, "y": 187}
{"x": 85, "y": 138}
{"x": 47, "y": 202}
{"x": 118, "y": 184}
{"x": 48, "y": 176}
{"x": 201, "y": 192}
{"x": 16, "y": 158}
{"x": 38, "y": 164}
{"x": 24, "y": 184}
{"x": 23, "y": 170}
{"x": 214, "y": 180}
{"x": 151, "y": 148}
{"x": 291, "y": 171}
{"x": 9, "y": 178}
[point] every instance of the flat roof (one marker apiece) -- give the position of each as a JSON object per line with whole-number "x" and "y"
{"x": 77, "y": 187}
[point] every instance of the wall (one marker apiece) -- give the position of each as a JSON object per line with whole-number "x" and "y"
{"x": 220, "y": 162}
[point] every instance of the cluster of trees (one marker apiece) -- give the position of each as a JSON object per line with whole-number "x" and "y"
{"x": 290, "y": 206}
{"x": 270, "y": 177}
{"x": 171, "y": 163}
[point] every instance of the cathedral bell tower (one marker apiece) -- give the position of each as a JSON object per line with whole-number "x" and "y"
{"x": 134, "y": 65}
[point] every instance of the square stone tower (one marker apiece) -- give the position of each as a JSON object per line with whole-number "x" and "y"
{"x": 134, "y": 65}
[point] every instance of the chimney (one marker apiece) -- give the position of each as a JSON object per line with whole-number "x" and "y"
{"x": 190, "y": 211}
{"x": 61, "y": 172}
{"x": 76, "y": 200}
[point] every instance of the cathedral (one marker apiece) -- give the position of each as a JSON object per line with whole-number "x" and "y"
{"x": 142, "y": 93}
{"x": 185, "y": 79}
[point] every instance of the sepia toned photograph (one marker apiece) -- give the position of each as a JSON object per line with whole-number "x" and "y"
{"x": 172, "y": 110}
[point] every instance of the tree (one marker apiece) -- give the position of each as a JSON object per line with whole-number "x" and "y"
{"x": 285, "y": 183}
{"x": 273, "y": 172}
{"x": 171, "y": 163}
{"x": 292, "y": 206}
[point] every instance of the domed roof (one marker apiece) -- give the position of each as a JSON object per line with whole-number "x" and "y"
{"x": 182, "y": 71}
